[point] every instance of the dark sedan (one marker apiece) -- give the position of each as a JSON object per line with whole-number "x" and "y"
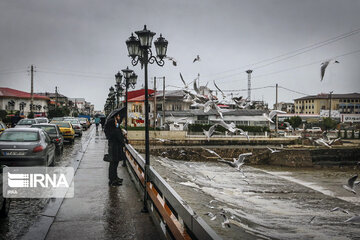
{"x": 26, "y": 147}
{"x": 54, "y": 133}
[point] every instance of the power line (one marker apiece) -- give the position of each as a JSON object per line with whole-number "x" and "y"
{"x": 11, "y": 72}
{"x": 296, "y": 67}
{"x": 75, "y": 75}
{"x": 311, "y": 47}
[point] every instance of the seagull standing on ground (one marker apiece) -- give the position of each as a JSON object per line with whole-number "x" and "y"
{"x": 350, "y": 185}
{"x": 196, "y": 59}
{"x": 323, "y": 67}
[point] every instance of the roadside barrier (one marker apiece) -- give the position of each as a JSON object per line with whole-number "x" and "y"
{"x": 170, "y": 212}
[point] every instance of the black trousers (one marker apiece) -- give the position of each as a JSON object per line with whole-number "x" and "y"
{"x": 113, "y": 152}
{"x": 113, "y": 170}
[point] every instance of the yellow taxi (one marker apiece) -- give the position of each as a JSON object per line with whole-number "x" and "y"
{"x": 66, "y": 129}
{"x": 2, "y": 127}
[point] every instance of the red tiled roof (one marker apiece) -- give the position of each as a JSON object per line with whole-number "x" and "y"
{"x": 9, "y": 92}
{"x": 136, "y": 93}
{"x": 137, "y": 99}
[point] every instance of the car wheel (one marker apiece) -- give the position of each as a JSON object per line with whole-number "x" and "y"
{"x": 52, "y": 161}
{"x": 4, "y": 211}
{"x": 72, "y": 140}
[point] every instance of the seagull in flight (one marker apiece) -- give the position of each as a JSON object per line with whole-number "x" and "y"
{"x": 339, "y": 209}
{"x": 273, "y": 150}
{"x": 350, "y": 184}
{"x": 226, "y": 222}
{"x": 272, "y": 114}
{"x": 182, "y": 79}
{"x": 214, "y": 153}
{"x": 323, "y": 67}
{"x": 173, "y": 60}
{"x": 196, "y": 59}
{"x": 222, "y": 93}
{"x": 237, "y": 163}
{"x": 210, "y": 132}
{"x": 211, "y": 215}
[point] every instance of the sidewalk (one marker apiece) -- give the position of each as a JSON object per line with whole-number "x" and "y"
{"x": 98, "y": 211}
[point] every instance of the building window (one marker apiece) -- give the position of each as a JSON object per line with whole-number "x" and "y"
{"x": 137, "y": 108}
{"x": 159, "y": 107}
{"x": 176, "y": 107}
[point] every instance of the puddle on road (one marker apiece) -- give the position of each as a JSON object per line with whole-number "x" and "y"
{"x": 270, "y": 203}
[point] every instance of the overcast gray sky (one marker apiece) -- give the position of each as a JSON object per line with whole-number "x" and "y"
{"x": 78, "y": 45}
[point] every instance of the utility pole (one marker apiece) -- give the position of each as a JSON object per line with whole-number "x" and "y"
{"x": 330, "y": 104}
{"x": 155, "y": 117}
{"x": 56, "y": 97}
{"x": 276, "y": 117}
{"x": 163, "y": 101}
{"x": 32, "y": 90}
{"x": 249, "y": 83}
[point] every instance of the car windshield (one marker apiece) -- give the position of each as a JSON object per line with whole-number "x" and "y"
{"x": 63, "y": 124}
{"x": 82, "y": 119}
{"x": 57, "y": 119}
{"x": 26, "y": 122}
{"x": 48, "y": 129}
{"x": 42, "y": 120}
{"x": 19, "y": 136}
{"x": 74, "y": 121}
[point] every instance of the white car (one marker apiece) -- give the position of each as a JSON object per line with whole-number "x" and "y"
{"x": 314, "y": 130}
{"x": 42, "y": 120}
{"x": 26, "y": 123}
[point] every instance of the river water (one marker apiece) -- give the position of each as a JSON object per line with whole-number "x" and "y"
{"x": 266, "y": 202}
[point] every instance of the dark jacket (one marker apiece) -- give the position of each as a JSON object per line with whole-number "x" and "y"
{"x": 116, "y": 140}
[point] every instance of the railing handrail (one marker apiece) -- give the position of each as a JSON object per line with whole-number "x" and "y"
{"x": 193, "y": 222}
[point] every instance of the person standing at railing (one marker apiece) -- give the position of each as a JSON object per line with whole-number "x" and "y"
{"x": 116, "y": 143}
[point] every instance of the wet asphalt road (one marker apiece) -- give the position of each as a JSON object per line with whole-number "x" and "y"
{"x": 23, "y": 212}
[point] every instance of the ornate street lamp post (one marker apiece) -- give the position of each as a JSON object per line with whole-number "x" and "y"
{"x": 139, "y": 50}
{"x": 130, "y": 81}
{"x": 119, "y": 89}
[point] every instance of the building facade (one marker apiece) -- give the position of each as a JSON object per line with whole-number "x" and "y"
{"x": 286, "y": 107}
{"x": 13, "y": 100}
{"x": 314, "y": 104}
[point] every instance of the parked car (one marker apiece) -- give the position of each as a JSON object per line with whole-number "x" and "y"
{"x": 57, "y": 119}
{"x": 26, "y": 123}
{"x": 66, "y": 129}
{"x": 2, "y": 127}
{"x": 314, "y": 130}
{"x": 76, "y": 125}
{"x": 4, "y": 202}
{"x": 54, "y": 133}
{"x": 26, "y": 147}
{"x": 84, "y": 123}
{"x": 42, "y": 120}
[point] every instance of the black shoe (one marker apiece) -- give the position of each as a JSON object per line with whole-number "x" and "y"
{"x": 119, "y": 180}
{"x": 115, "y": 183}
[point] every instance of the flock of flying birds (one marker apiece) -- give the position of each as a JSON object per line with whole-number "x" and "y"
{"x": 203, "y": 98}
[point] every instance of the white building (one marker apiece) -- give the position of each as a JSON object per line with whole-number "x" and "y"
{"x": 13, "y": 100}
